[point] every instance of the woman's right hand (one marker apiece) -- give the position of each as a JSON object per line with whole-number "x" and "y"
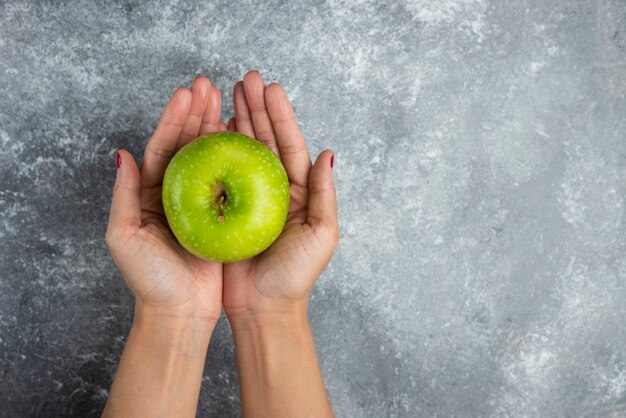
{"x": 266, "y": 297}
{"x": 281, "y": 278}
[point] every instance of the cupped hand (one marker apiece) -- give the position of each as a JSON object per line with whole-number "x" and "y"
{"x": 281, "y": 278}
{"x": 164, "y": 277}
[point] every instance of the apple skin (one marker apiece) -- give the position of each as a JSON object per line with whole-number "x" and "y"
{"x": 253, "y": 187}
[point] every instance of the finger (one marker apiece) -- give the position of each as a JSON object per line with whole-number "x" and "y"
{"x": 293, "y": 151}
{"x": 254, "y": 88}
{"x": 212, "y": 113}
{"x": 232, "y": 124}
{"x": 322, "y": 211}
{"x": 242, "y": 111}
{"x": 125, "y": 215}
{"x": 162, "y": 145}
{"x": 222, "y": 127}
{"x": 200, "y": 93}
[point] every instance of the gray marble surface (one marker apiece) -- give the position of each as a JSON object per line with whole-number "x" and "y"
{"x": 481, "y": 169}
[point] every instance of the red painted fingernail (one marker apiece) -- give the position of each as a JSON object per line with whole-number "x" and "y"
{"x": 332, "y": 161}
{"x": 118, "y": 160}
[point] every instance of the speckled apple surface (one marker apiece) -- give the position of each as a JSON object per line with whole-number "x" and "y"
{"x": 480, "y": 161}
{"x": 226, "y": 197}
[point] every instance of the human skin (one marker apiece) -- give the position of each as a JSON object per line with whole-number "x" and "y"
{"x": 179, "y": 296}
{"x": 265, "y": 298}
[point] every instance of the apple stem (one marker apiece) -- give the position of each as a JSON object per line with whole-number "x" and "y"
{"x": 220, "y": 207}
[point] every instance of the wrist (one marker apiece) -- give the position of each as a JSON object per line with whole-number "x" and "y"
{"x": 172, "y": 317}
{"x": 161, "y": 368}
{"x": 277, "y": 315}
{"x": 165, "y": 331}
{"x": 270, "y": 334}
{"x": 278, "y": 367}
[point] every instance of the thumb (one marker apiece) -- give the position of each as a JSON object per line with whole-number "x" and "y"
{"x": 322, "y": 199}
{"x": 125, "y": 216}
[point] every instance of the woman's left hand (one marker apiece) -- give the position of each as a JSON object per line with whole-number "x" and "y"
{"x": 166, "y": 279}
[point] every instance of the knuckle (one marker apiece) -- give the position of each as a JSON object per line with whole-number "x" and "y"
{"x": 119, "y": 186}
{"x": 314, "y": 218}
{"x": 327, "y": 233}
{"x": 161, "y": 152}
{"x": 285, "y": 121}
{"x": 292, "y": 149}
{"x": 265, "y": 134}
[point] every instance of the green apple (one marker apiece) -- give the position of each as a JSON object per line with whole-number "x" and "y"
{"x": 226, "y": 197}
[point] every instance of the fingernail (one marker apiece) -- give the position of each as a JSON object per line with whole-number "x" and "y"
{"x": 332, "y": 161}
{"x": 118, "y": 160}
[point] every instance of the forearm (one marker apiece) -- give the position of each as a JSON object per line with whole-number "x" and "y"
{"x": 278, "y": 367}
{"x": 161, "y": 368}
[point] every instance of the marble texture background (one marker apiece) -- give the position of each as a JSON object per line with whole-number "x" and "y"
{"x": 480, "y": 165}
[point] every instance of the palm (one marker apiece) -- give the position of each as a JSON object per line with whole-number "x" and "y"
{"x": 251, "y": 279}
{"x": 287, "y": 270}
{"x": 176, "y": 277}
